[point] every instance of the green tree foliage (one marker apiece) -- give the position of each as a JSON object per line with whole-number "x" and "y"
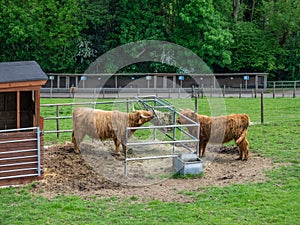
{"x": 203, "y": 30}
{"x": 229, "y": 35}
{"x": 45, "y": 31}
{"x": 140, "y": 20}
{"x": 254, "y": 50}
{"x": 281, "y": 18}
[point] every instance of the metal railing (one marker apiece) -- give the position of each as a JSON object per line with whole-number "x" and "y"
{"x": 58, "y": 117}
{"x": 18, "y": 161}
{"x": 152, "y": 103}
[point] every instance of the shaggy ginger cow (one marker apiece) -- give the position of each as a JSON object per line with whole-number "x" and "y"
{"x": 219, "y": 130}
{"x": 106, "y": 124}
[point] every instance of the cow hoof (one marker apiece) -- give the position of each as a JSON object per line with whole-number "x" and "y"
{"x": 120, "y": 158}
{"x": 76, "y": 151}
{"x": 130, "y": 151}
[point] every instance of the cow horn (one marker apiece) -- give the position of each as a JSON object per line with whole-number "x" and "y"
{"x": 145, "y": 117}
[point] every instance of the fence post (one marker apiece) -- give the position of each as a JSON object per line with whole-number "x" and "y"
{"x": 202, "y": 90}
{"x": 282, "y": 91}
{"x": 240, "y": 93}
{"x": 294, "y": 90}
{"x": 57, "y": 120}
{"x": 224, "y": 91}
{"x": 274, "y": 89}
{"x": 138, "y": 92}
{"x": 262, "y": 108}
{"x": 127, "y": 105}
{"x": 196, "y": 104}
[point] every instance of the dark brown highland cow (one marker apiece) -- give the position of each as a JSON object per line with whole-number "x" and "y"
{"x": 219, "y": 130}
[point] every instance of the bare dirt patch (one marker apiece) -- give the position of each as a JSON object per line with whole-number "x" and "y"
{"x": 94, "y": 174}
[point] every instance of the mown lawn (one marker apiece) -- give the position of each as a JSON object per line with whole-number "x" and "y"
{"x": 275, "y": 201}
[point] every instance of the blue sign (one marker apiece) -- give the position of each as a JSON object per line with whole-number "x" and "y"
{"x": 246, "y": 77}
{"x": 181, "y": 78}
{"x": 83, "y": 78}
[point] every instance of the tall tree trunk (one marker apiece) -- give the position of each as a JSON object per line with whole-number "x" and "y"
{"x": 236, "y": 8}
{"x": 252, "y": 10}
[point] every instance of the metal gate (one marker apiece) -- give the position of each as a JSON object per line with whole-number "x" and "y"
{"x": 20, "y": 154}
{"x": 167, "y": 127}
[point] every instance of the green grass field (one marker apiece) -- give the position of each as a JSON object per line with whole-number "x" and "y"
{"x": 275, "y": 201}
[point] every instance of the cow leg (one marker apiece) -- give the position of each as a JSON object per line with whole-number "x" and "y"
{"x": 117, "y": 144}
{"x": 202, "y": 147}
{"x": 124, "y": 149}
{"x": 76, "y": 140}
{"x": 240, "y": 148}
{"x": 243, "y": 149}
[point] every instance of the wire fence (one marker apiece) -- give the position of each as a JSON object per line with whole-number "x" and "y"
{"x": 262, "y": 109}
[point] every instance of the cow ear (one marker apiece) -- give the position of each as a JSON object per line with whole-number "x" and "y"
{"x": 137, "y": 114}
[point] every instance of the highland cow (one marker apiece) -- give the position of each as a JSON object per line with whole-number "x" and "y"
{"x": 219, "y": 130}
{"x": 106, "y": 124}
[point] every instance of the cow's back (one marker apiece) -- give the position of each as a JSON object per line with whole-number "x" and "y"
{"x": 83, "y": 122}
{"x": 110, "y": 124}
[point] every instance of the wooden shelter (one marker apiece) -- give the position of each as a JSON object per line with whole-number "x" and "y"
{"x": 21, "y": 142}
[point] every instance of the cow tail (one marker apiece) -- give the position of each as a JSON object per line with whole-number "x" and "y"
{"x": 73, "y": 137}
{"x": 242, "y": 137}
{"x": 244, "y": 133}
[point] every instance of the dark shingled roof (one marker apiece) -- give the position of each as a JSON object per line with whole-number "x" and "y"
{"x": 21, "y": 71}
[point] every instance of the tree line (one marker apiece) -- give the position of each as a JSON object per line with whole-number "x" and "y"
{"x": 229, "y": 35}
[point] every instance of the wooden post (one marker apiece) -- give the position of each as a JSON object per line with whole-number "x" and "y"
{"x": 116, "y": 81}
{"x": 240, "y": 93}
{"x": 196, "y": 104}
{"x": 202, "y": 90}
{"x": 57, "y": 120}
{"x": 18, "y": 110}
{"x": 274, "y": 89}
{"x": 294, "y": 90}
{"x": 262, "y": 108}
{"x": 224, "y": 91}
{"x": 37, "y": 107}
{"x": 127, "y": 106}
